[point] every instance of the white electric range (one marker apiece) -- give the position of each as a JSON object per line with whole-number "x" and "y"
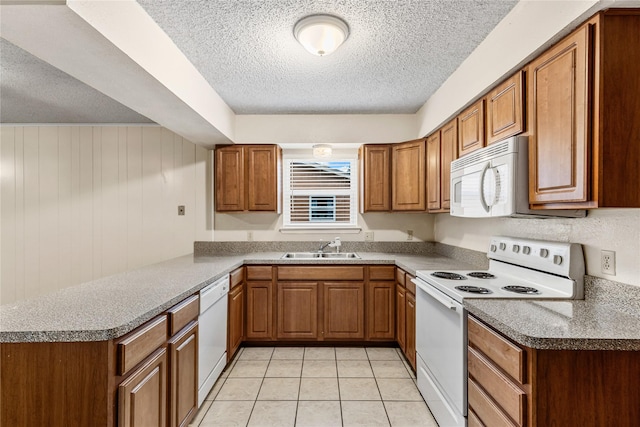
{"x": 518, "y": 268}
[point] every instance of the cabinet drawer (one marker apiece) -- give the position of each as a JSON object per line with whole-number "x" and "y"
{"x": 183, "y": 313}
{"x": 381, "y": 272}
{"x": 473, "y": 420}
{"x": 503, "y": 353}
{"x": 236, "y": 277}
{"x": 140, "y": 343}
{"x": 400, "y": 274}
{"x": 487, "y": 412}
{"x": 411, "y": 287}
{"x": 259, "y": 272}
{"x": 505, "y": 393}
{"x": 321, "y": 273}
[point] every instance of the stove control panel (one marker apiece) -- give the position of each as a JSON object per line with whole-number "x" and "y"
{"x": 565, "y": 259}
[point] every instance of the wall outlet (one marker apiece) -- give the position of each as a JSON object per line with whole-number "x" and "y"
{"x": 608, "y": 260}
{"x": 409, "y": 234}
{"x": 368, "y": 236}
{"x": 181, "y": 210}
{"x": 249, "y": 236}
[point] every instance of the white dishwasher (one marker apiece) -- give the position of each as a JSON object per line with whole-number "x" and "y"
{"x": 212, "y": 335}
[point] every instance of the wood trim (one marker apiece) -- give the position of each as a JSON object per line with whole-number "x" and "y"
{"x": 355, "y": 272}
{"x": 140, "y": 343}
{"x": 433, "y": 171}
{"x": 183, "y": 313}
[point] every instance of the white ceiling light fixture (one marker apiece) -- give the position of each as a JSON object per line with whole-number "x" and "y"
{"x": 321, "y": 34}
{"x": 322, "y": 151}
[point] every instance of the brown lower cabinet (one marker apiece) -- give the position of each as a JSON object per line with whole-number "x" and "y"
{"x": 298, "y": 311}
{"x": 406, "y": 315}
{"x": 513, "y": 385}
{"x": 343, "y": 313}
{"x": 147, "y": 377}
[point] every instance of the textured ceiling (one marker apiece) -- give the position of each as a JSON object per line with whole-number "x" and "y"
{"x": 32, "y": 91}
{"x": 397, "y": 55}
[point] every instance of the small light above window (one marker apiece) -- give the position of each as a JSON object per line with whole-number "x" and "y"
{"x": 322, "y": 151}
{"x": 321, "y": 34}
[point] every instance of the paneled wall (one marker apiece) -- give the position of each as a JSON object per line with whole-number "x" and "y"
{"x": 84, "y": 202}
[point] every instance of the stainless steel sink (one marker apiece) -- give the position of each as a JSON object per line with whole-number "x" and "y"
{"x": 341, "y": 255}
{"x": 318, "y": 255}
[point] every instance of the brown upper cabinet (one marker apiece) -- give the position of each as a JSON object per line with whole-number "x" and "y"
{"x": 408, "y": 176}
{"x": 584, "y": 149}
{"x": 505, "y": 112}
{"x": 375, "y": 188}
{"x": 248, "y": 178}
{"x": 471, "y": 128}
{"x": 442, "y": 149}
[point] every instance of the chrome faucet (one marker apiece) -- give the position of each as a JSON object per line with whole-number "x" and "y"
{"x": 335, "y": 243}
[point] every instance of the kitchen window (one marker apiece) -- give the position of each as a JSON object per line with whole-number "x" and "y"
{"x": 320, "y": 194}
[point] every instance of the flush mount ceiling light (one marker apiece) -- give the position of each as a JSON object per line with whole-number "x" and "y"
{"x": 322, "y": 151}
{"x": 321, "y": 34}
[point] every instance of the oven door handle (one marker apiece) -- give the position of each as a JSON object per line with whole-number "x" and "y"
{"x": 435, "y": 294}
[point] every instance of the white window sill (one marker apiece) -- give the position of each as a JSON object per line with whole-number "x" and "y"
{"x": 321, "y": 230}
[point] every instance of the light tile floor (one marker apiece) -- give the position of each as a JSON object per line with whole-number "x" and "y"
{"x": 315, "y": 386}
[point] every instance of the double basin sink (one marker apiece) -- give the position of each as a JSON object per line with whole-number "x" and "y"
{"x": 320, "y": 255}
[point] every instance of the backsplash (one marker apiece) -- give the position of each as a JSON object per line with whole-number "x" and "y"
{"x": 477, "y": 258}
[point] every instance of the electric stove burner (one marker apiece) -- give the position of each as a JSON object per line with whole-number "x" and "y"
{"x": 448, "y": 275}
{"x": 481, "y": 275}
{"x": 521, "y": 289}
{"x": 473, "y": 289}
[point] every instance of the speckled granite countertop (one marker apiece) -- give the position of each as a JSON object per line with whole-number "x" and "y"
{"x": 110, "y": 307}
{"x": 607, "y": 319}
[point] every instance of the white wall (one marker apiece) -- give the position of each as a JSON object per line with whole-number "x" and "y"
{"x": 79, "y": 203}
{"x": 387, "y": 227}
{"x": 609, "y": 229}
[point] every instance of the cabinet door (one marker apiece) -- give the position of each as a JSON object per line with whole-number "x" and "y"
{"x": 401, "y": 319}
{"x": 411, "y": 330}
{"x": 343, "y": 310}
{"x": 259, "y": 310}
{"x": 559, "y": 106}
{"x": 230, "y": 194}
{"x": 375, "y": 186}
{"x": 142, "y": 397}
{"x": 448, "y": 153}
{"x": 380, "y": 299}
{"x": 236, "y": 320}
{"x": 505, "y": 116}
{"x": 433, "y": 172}
{"x": 183, "y": 385}
{"x": 263, "y": 177}
{"x": 297, "y": 310}
{"x": 408, "y": 176}
{"x": 471, "y": 128}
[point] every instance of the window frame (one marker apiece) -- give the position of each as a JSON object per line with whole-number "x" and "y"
{"x": 319, "y": 224}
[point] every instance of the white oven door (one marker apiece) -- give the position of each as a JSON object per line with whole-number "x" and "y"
{"x": 441, "y": 346}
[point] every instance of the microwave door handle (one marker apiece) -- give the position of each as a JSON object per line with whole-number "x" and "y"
{"x": 483, "y": 174}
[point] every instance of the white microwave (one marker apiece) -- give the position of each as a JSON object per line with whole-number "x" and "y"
{"x": 493, "y": 182}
